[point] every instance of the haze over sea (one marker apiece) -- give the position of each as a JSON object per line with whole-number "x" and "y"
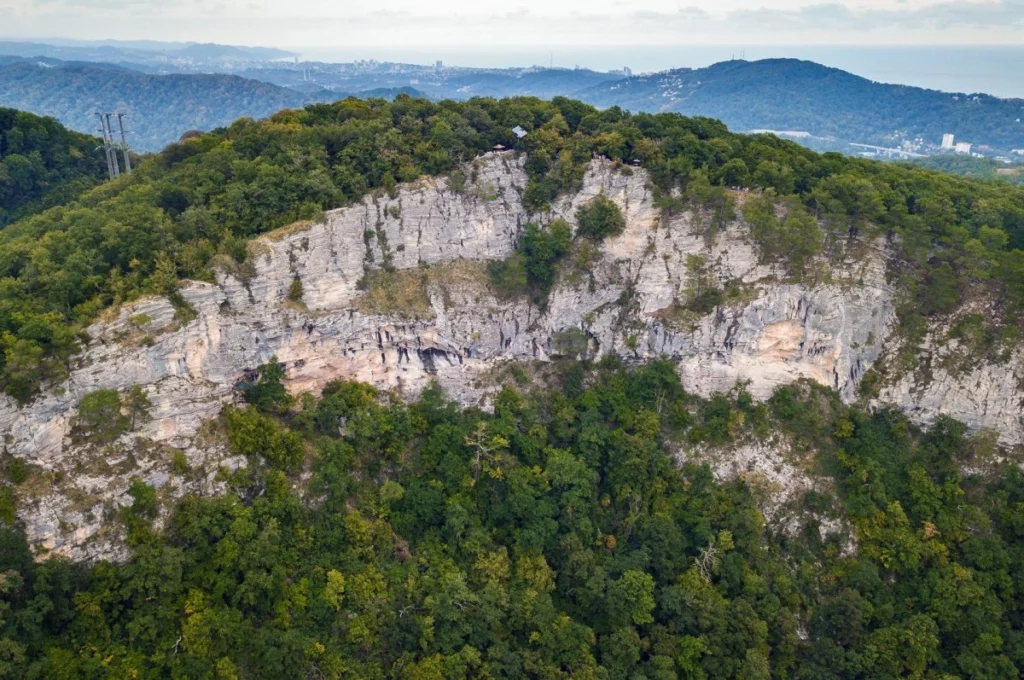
{"x": 993, "y": 70}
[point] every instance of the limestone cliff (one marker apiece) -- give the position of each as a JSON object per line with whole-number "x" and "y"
{"x": 432, "y": 244}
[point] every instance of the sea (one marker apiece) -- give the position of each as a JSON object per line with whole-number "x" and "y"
{"x": 995, "y": 70}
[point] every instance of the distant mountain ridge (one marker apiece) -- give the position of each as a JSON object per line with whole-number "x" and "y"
{"x": 206, "y": 86}
{"x": 161, "y": 107}
{"x": 137, "y": 50}
{"x": 790, "y": 94}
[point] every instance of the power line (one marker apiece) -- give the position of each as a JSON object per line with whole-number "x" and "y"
{"x": 124, "y": 144}
{"x": 112, "y": 151}
{"x": 106, "y": 145}
{"x": 110, "y": 146}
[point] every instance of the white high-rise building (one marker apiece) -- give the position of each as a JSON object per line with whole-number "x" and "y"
{"x": 963, "y": 147}
{"x": 947, "y": 141}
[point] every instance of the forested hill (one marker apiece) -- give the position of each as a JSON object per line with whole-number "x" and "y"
{"x": 977, "y": 168}
{"x": 571, "y": 532}
{"x": 195, "y": 203}
{"x": 42, "y": 163}
{"x": 789, "y": 94}
{"x": 161, "y": 107}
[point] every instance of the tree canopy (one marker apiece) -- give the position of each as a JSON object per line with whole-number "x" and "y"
{"x": 43, "y": 164}
{"x": 557, "y": 537}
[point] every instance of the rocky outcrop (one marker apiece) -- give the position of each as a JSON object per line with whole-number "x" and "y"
{"x": 624, "y": 301}
{"x": 950, "y": 381}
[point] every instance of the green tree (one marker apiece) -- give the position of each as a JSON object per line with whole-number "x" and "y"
{"x": 631, "y": 597}
{"x": 599, "y": 218}
{"x": 138, "y": 405}
{"x": 269, "y": 393}
{"x": 99, "y": 417}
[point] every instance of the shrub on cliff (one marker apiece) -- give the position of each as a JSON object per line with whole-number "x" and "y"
{"x": 100, "y": 420}
{"x": 531, "y": 269}
{"x": 599, "y": 218}
{"x": 269, "y": 394}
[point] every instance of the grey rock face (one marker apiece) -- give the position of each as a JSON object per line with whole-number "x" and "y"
{"x": 622, "y": 303}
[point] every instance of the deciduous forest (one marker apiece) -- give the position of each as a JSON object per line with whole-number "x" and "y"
{"x": 565, "y": 535}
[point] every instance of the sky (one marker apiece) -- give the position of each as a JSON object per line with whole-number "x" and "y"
{"x": 320, "y": 26}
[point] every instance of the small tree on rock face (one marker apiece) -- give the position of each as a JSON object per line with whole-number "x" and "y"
{"x": 138, "y": 405}
{"x": 269, "y": 394}
{"x": 99, "y": 417}
{"x": 599, "y": 218}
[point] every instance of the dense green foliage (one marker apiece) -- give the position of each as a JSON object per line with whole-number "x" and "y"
{"x": 789, "y": 94}
{"x": 555, "y": 538}
{"x": 43, "y": 164}
{"x": 975, "y": 168}
{"x": 531, "y": 268}
{"x": 192, "y": 206}
{"x": 268, "y": 393}
{"x": 599, "y": 218}
{"x": 793, "y": 238}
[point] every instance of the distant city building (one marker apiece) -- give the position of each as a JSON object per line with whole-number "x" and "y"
{"x": 963, "y": 147}
{"x": 947, "y": 141}
{"x": 627, "y": 71}
{"x": 439, "y": 65}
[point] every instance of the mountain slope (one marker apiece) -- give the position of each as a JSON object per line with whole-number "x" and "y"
{"x": 161, "y": 107}
{"x": 589, "y": 527}
{"x": 42, "y": 164}
{"x": 788, "y": 94}
{"x": 975, "y": 168}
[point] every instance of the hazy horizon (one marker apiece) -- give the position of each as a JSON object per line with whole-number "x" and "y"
{"x": 951, "y": 68}
{"x": 959, "y": 68}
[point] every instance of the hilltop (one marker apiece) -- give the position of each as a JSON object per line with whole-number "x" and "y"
{"x": 833, "y": 107}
